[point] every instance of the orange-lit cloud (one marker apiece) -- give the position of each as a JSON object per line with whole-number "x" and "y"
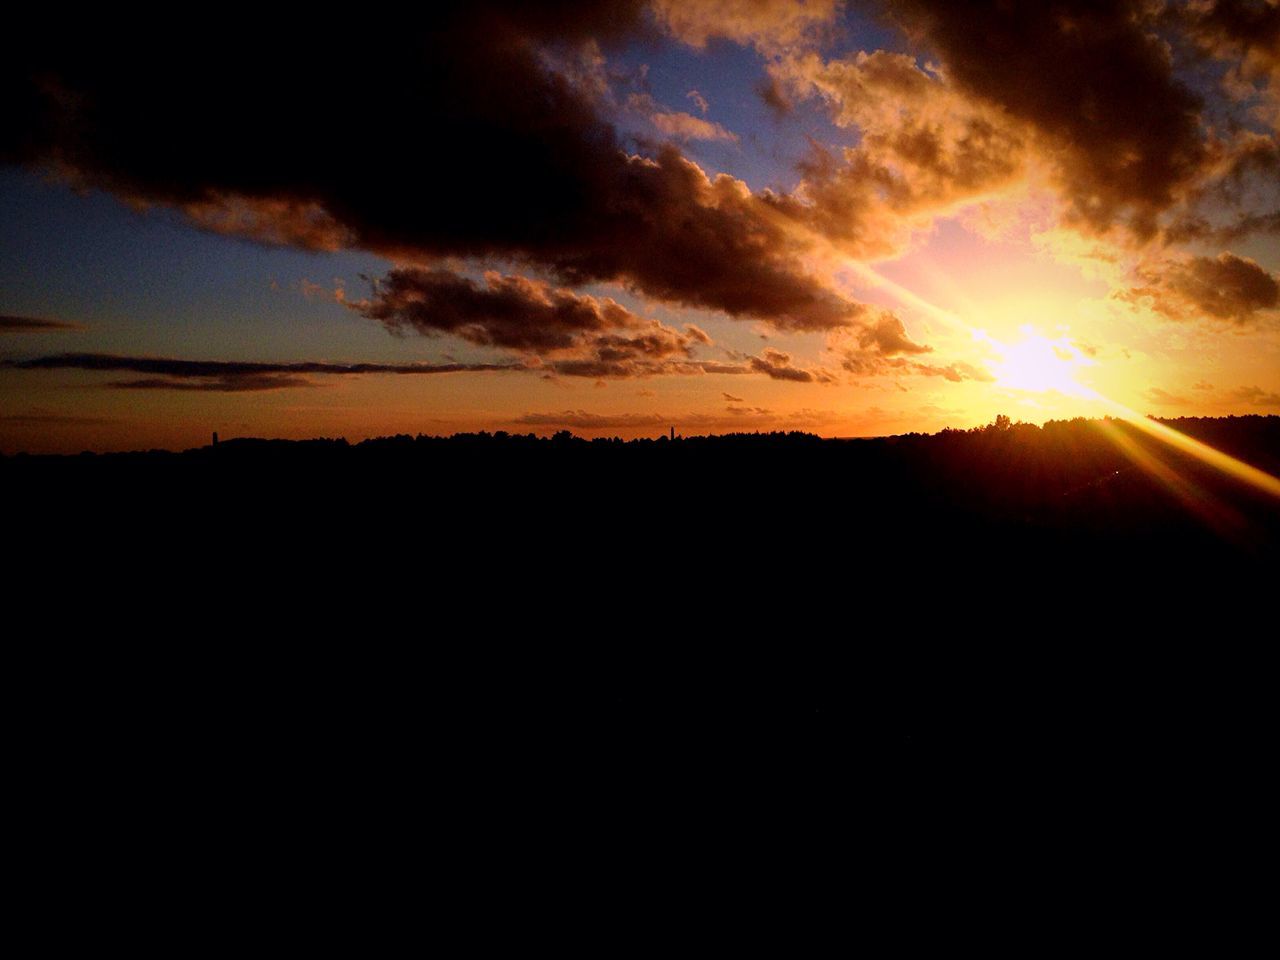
{"x": 1246, "y": 35}
{"x": 1225, "y": 287}
{"x": 12, "y": 324}
{"x": 924, "y": 148}
{"x": 676, "y": 124}
{"x": 733, "y": 418}
{"x": 778, "y": 365}
{"x": 883, "y": 348}
{"x": 1096, "y": 84}
{"x": 685, "y": 126}
{"x": 771, "y": 24}
{"x": 270, "y": 220}
{"x": 511, "y": 162}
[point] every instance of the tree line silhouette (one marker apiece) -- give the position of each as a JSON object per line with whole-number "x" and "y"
{"x": 1050, "y": 492}
{"x": 654, "y": 602}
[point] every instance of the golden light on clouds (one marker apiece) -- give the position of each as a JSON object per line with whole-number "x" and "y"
{"x": 878, "y": 218}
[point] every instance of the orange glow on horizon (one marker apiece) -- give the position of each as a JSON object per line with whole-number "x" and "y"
{"x": 1039, "y": 364}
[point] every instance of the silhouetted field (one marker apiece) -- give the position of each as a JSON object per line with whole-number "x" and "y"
{"x": 1069, "y": 486}
{"x": 775, "y": 593}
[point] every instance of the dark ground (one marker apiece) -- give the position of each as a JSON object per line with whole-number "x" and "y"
{"x": 523, "y": 630}
{"x": 595, "y": 563}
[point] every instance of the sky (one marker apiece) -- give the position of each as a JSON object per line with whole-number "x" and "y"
{"x": 848, "y": 218}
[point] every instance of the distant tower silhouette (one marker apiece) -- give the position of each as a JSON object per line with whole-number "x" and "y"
{"x": 673, "y": 433}
{"x": 215, "y": 438}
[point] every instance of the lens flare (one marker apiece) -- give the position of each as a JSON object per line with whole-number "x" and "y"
{"x": 1040, "y": 364}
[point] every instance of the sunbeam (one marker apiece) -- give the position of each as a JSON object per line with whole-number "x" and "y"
{"x": 1039, "y": 364}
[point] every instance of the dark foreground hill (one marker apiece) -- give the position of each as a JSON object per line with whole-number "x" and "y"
{"x": 571, "y": 534}
{"x": 1080, "y": 491}
{"x": 499, "y": 599}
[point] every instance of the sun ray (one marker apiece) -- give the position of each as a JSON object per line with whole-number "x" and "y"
{"x": 1195, "y": 498}
{"x": 1060, "y": 376}
{"x": 910, "y": 297}
{"x": 1244, "y": 472}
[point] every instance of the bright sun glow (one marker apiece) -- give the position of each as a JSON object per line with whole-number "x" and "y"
{"x": 1038, "y": 364}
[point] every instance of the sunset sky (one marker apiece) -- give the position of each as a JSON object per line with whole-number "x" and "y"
{"x": 852, "y": 219}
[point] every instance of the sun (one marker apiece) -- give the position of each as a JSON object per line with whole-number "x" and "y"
{"x": 1039, "y": 364}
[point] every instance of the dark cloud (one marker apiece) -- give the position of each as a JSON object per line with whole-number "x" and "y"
{"x": 237, "y": 368}
{"x": 711, "y": 366}
{"x": 1249, "y": 224}
{"x": 887, "y": 335}
{"x": 512, "y": 312}
{"x": 677, "y": 235}
{"x": 12, "y": 324}
{"x": 1256, "y": 396}
{"x": 1252, "y": 157}
{"x": 882, "y": 347}
{"x": 445, "y": 134}
{"x": 634, "y": 357}
{"x": 770, "y": 92}
{"x": 228, "y": 384}
{"x": 1244, "y": 31}
{"x": 1193, "y": 227}
{"x": 1251, "y": 24}
{"x": 1095, "y": 82}
{"x": 230, "y": 376}
{"x": 1225, "y": 287}
{"x": 1239, "y": 200}
{"x": 562, "y": 332}
{"x": 658, "y": 341}
{"x": 627, "y": 368}
{"x": 571, "y": 334}
{"x": 731, "y": 398}
{"x": 778, "y": 366}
